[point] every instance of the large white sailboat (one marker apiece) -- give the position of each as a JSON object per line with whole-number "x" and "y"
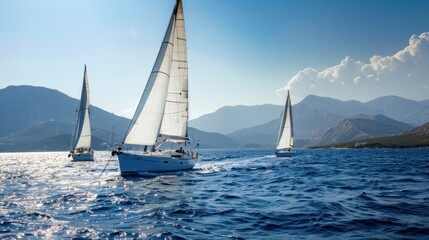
{"x": 81, "y": 139}
{"x": 157, "y": 138}
{"x": 285, "y": 146}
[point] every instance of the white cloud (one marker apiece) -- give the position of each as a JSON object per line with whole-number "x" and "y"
{"x": 402, "y": 74}
{"x": 356, "y": 79}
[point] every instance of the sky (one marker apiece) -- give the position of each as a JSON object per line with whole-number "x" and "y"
{"x": 240, "y": 52}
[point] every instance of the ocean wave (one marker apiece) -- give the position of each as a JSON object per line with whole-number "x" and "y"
{"x": 231, "y": 194}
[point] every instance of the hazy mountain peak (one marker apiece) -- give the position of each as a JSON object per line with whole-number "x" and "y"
{"x": 15, "y": 90}
{"x": 390, "y": 99}
{"x": 379, "y": 117}
{"x": 338, "y": 107}
{"x": 417, "y": 137}
{"x": 422, "y": 130}
{"x": 228, "y": 119}
{"x": 361, "y": 127}
{"x": 314, "y": 98}
{"x": 402, "y": 109}
{"x": 25, "y": 106}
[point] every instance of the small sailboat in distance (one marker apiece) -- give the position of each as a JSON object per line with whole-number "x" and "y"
{"x": 81, "y": 139}
{"x": 285, "y": 146}
{"x": 161, "y": 118}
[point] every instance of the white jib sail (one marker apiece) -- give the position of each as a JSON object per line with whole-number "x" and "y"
{"x": 175, "y": 119}
{"x": 146, "y": 122}
{"x": 285, "y": 139}
{"x": 83, "y": 130}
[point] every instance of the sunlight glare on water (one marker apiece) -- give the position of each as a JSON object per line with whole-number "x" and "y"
{"x": 230, "y": 194}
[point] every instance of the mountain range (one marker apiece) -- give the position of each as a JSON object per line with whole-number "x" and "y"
{"x": 363, "y": 127}
{"x": 38, "y": 119}
{"x": 231, "y": 118}
{"x": 315, "y": 115}
{"x": 417, "y": 137}
{"x": 26, "y": 106}
{"x": 42, "y": 119}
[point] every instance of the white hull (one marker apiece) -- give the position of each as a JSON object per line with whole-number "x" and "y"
{"x": 83, "y": 156}
{"x": 131, "y": 164}
{"x": 286, "y": 153}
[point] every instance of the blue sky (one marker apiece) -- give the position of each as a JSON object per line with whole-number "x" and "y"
{"x": 241, "y": 52}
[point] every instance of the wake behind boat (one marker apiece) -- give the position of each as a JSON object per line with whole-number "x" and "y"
{"x": 285, "y": 141}
{"x": 161, "y": 118}
{"x": 81, "y": 139}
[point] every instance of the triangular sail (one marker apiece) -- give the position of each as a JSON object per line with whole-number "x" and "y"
{"x": 146, "y": 122}
{"x": 285, "y": 139}
{"x": 175, "y": 119}
{"x": 83, "y": 129}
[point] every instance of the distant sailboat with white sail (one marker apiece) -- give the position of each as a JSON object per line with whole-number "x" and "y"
{"x": 285, "y": 147}
{"x": 81, "y": 139}
{"x": 161, "y": 117}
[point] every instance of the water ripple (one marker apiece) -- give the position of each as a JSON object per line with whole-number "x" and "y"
{"x": 231, "y": 194}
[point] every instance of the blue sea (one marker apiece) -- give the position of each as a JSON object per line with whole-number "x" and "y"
{"x": 231, "y": 194}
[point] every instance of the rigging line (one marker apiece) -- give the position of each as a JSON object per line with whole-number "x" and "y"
{"x": 98, "y": 179}
{"x": 105, "y": 166}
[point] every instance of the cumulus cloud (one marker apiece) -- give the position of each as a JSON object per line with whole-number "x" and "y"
{"x": 405, "y": 74}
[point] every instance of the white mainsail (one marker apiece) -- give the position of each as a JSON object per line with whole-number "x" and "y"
{"x": 285, "y": 139}
{"x": 175, "y": 119}
{"x": 83, "y": 130}
{"x": 146, "y": 122}
{"x": 163, "y": 107}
